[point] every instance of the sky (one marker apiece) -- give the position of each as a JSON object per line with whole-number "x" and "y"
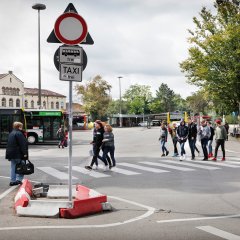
{"x": 141, "y": 40}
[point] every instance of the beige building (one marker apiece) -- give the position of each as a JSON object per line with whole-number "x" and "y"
{"x": 13, "y": 94}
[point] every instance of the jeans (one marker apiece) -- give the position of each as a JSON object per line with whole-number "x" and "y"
{"x": 192, "y": 146}
{"x": 204, "y": 143}
{"x": 182, "y": 148}
{"x": 106, "y": 150}
{"x": 15, "y": 177}
{"x": 210, "y": 146}
{"x": 163, "y": 142}
{"x": 220, "y": 142}
{"x": 175, "y": 142}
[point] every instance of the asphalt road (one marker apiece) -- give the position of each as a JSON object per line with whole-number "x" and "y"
{"x": 153, "y": 197}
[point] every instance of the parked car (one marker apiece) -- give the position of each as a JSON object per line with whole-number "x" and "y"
{"x": 143, "y": 124}
{"x": 156, "y": 123}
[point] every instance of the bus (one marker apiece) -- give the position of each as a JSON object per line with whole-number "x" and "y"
{"x": 40, "y": 125}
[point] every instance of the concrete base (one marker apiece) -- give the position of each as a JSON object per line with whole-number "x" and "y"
{"x": 43, "y": 208}
{"x": 60, "y": 191}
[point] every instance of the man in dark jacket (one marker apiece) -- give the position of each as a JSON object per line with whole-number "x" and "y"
{"x": 192, "y": 136}
{"x": 16, "y": 151}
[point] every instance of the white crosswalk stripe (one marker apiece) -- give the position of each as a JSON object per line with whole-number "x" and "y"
{"x": 148, "y": 169}
{"x": 233, "y": 162}
{"x": 123, "y": 171}
{"x": 168, "y": 166}
{"x": 222, "y": 164}
{"x": 218, "y": 232}
{"x": 55, "y": 173}
{"x": 193, "y": 165}
{"x": 94, "y": 174}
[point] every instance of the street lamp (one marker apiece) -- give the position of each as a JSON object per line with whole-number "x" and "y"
{"x": 39, "y": 6}
{"x": 120, "y": 105}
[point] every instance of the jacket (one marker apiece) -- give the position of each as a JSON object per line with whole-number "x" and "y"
{"x": 98, "y": 137}
{"x": 17, "y": 146}
{"x": 109, "y": 137}
{"x": 182, "y": 133}
{"x": 163, "y": 133}
{"x": 204, "y": 132}
{"x": 192, "y": 131}
{"x": 212, "y": 133}
{"x": 220, "y": 133}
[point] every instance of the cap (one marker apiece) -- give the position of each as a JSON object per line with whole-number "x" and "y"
{"x": 218, "y": 121}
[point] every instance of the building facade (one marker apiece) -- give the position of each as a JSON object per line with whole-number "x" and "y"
{"x": 13, "y": 94}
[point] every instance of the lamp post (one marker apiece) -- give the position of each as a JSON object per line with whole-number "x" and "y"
{"x": 120, "y": 105}
{"x": 39, "y": 7}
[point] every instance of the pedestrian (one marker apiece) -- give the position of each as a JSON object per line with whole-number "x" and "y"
{"x": 109, "y": 146}
{"x": 210, "y": 153}
{"x": 192, "y": 136}
{"x": 61, "y": 136}
{"x": 204, "y": 135}
{"x": 182, "y": 135}
{"x": 97, "y": 143}
{"x": 16, "y": 151}
{"x": 163, "y": 139}
{"x": 220, "y": 137}
{"x": 173, "y": 133}
{"x": 226, "y": 125}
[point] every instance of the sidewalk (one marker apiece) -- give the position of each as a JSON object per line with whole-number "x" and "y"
{"x": 233, "y": 144}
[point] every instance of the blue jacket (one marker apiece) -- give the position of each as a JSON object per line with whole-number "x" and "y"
{"x": 17, "y": 145}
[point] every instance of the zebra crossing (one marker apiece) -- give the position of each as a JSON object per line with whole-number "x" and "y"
{"x": 130, "y": 169}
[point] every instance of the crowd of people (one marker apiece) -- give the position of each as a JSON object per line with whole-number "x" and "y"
{"x": 205, "y": 133}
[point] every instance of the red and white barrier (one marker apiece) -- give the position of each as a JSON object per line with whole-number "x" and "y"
{"x": 24, "y": 194}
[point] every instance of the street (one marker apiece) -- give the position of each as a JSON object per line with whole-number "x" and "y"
{"x": 153, "y": 197}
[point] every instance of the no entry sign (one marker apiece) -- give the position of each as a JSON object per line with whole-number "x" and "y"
{"x": 70, "y": 28}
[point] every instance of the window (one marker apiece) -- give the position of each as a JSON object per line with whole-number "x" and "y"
{"x": 17, "y": 103}
{"x": 44, "y": 104}
{"x": 3, "y": 90}
{"x": 26, "y": 104}
{"x": 10, "y": 102}
{"x": 4, "y": 102}
{"x": 32, "y": 104}
{"x": 57, "y": 105}
{"x": 17, "y": 92}
{"x": 52, "y": 105}
{"x": 7, "y": 91}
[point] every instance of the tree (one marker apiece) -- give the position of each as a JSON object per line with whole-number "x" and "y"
{"x": 138, "y": 97}
{"x": 214, "y": 55}
{"x": 165, "y": 96}
{"x": 95, "y": 97}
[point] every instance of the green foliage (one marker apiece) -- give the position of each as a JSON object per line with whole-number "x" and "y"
{"x": 95, "y": 97}
{"x": 138, "y": 97}
{"x": 214, "y": 55}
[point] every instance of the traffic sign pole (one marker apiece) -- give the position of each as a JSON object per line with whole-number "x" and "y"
{"x": 70, "y": 142}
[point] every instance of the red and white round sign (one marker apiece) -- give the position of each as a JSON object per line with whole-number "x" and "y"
{"x": 70, "y": 28}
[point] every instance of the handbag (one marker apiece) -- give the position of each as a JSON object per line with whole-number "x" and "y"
{"x": 25, "y": 167}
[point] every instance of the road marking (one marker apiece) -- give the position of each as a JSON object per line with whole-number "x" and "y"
{"x": 55, "y": 173}
{"x": 233, "y": 162}
{"x": 87, "y": 172}
{"x": 192, "y": 165}
{"x": 150, "y": 211}
{"x": 219, "y": 233}
{"x": 4, "y": 194}
{"x": 222, "y": 164}
{"x": 123, "y": 171}
{"x": 197, "y": 219}
{"x": 154, "y": 170}
{"x": 168, "y": 166}
{"x": 4, "y": 177}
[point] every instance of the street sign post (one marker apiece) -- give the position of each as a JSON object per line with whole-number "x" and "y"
{"x": 70, "y": 60}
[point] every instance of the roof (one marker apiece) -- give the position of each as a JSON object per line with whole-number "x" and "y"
{"x": 44, "y": 92}
{"x": 3, "y": 75}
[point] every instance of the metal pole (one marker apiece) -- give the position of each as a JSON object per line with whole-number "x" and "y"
{"x": 39, "y": 63}
{"x": 70, "y": 141}
{"x": 120, "y": 104}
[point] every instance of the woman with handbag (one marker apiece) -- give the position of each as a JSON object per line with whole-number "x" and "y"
{"x": 16, "y": 151}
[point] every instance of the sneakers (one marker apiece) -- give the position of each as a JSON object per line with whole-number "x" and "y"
{"x": 88, "y": 168}
{"x": 163, "y": 155}
{"x": 105, "y": 168}
{"x": 15, "y": 183}
{"x": 214, "y": 159}
{"x": 193, "y": 158}
{"x": 181, "y": 158}
{"x": 210, "y": 155}
{"x": 223, "y": 159}
{"x": 167, "y": 152}
{"x": 96, "y": 168}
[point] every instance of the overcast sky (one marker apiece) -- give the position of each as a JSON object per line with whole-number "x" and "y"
{"x": 141, "y": 40}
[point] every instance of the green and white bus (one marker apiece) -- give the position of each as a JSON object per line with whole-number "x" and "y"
{"x": 40, "y": 125}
